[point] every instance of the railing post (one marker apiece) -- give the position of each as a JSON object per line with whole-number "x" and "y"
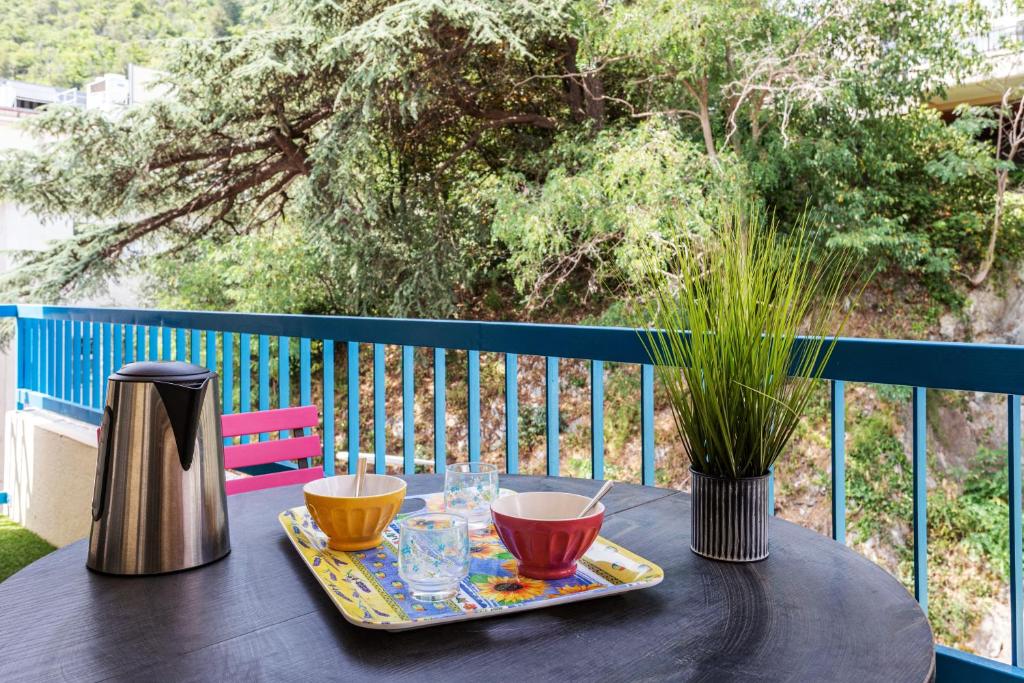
{"x": 473, "y": 405}
{"x": 129, "y": 352}
{"x": 440, "y": 426}
{"x": 379, "y": 416}
{"x": 140, "y": 342}
{"x": 195, "y": 349}
{"x": 1013, "y": 454}
{"x": 551, "y": 405}
{"x": 31, "y": 347}
{"x": 647, "y": 424}
{"x": 244, "y": 376}
{"x": 96, "y": 381}
{"x": 284, "y": 386}
{"x": 920, "y": 474}
{"x": 68, "y": 362}
{"x": 408, "y": 408}
{"x": 353, "y": 406}
{"x": 305, "y": 381}
{"x": 85, "y": 371}
{"x": 512, "y": 413}
{"x": 227, "y": 341}
{"x": 263, "y": 376}
{"x": 76, "y": 362}
{"x": 108, "y": 358}
{"x": 51, "y": 358}
{"x": 596, "y": 419}
{"x": 58, "y": 359}
{"x": 118, "y": 333}
{"x": 328, "y": 358}
{"x": 20, "y": 361}
{"x": 838, "y": 424}
{"x": 28, "y": 349}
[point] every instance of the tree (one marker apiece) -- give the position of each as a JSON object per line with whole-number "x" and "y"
{"x": 1009, "y": 138}
{"x": 413, "y": 140}
{"x": 349, "y": 119}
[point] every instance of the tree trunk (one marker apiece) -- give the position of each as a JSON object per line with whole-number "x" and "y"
{"x": 705, "y": 128}
{"x": 997, "y": 220}
{"x": 583, "y": 92}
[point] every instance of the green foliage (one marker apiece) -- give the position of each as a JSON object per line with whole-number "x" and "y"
{"x": 740, "y": 381}
{"x": 976, "y": 520}
{"x": 65, "y": 43}
{"x": 264, "y": 272}
{"x": 895, "y": 394}
{"x": 878, "y": 478}
{"x": 605, "y": 198}
{"x": 895, "y": 189}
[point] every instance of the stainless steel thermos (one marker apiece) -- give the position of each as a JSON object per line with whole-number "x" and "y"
{"x": 158, "y": 502}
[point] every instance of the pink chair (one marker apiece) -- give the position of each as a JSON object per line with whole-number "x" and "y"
{"x": 264, "y": 452}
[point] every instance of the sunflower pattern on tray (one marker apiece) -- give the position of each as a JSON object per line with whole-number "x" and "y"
{"x": 367, "y": 589}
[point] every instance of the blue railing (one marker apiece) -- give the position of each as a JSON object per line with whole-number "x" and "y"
{"x": 65, "y": 354}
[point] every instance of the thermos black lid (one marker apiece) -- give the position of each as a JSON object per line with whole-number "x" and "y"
{"x": 171, "y": 371}
{"x": 182, "y": 387}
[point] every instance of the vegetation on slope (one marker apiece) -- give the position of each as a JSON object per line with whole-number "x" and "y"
{"x": 65, "y": 43}
{"x": 968, "y": 530}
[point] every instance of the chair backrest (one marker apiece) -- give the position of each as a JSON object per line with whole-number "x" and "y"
{"x": 265, "y": 452}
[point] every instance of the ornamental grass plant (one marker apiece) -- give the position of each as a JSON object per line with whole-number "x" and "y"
{"x": 762, "y": 309}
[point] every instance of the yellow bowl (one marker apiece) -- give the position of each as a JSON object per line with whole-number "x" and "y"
{"x": 352, "y": 523}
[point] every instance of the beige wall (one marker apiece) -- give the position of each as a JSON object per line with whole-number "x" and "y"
{"x": 49, "y": 466}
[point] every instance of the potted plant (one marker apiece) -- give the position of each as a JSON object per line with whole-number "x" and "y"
{"x": 739, "y": 324}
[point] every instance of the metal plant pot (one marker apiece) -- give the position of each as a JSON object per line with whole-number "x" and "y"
{"x": 729, "y": 517}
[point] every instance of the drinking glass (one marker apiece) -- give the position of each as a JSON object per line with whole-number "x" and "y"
{"x": 469, "y": 490}
{"x": 433, "y": 554}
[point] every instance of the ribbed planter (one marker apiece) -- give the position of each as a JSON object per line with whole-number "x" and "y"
{"x": 729, "y": 517}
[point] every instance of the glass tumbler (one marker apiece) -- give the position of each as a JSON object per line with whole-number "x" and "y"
{"x": 433, "y": 554}
{"x": 469, "y": 490}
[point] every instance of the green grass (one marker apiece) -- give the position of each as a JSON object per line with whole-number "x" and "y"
{"x": 18, "y": 547}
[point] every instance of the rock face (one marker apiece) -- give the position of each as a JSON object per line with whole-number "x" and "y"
{"x": 992, "y": 315}
{"x": 963, "y": 422}
{"x": 992, "y": 637}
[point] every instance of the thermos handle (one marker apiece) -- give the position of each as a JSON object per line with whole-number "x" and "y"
{"x": 102, "y": 461}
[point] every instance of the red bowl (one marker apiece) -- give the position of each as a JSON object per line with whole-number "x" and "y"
{"x": 542, "y": 531}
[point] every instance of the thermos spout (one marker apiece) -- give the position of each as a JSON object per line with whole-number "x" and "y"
{"x": 183, "y": 402}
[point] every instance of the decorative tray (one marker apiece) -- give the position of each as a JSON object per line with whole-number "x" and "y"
{"x": 366, "y": 587}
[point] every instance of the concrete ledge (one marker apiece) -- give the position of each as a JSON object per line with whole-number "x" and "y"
{"x": 49, "y": 469}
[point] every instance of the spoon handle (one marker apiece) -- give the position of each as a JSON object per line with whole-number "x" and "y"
{"x": 360, "y": 475}
{"x": 596, "y": 499}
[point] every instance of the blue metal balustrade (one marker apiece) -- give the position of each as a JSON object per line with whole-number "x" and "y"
{"x": 65, "y": 354}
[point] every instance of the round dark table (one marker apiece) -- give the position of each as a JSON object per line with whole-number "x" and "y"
{"x": 813, "y": 611}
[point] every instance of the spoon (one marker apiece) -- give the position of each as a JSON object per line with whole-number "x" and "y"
{"x": 360, "y": 475}
{"x": 597, "y": 497}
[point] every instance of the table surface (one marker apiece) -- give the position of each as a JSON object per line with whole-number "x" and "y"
{"x": 813, "y": 611}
